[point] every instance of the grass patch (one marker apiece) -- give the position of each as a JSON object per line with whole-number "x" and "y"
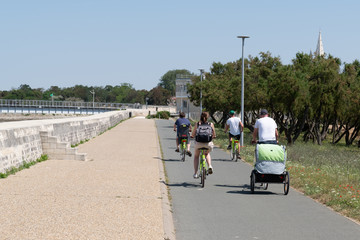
{"x": 24, "y": 165}
{"x": 81, "y": 142}
{"x": 328, "y": 173}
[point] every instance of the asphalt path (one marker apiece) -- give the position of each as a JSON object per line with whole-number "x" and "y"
{"x": 226, "y": 209}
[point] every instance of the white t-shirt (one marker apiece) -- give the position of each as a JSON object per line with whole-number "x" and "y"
{"x": 234, "y": 123}
{"x": 266, "y": 126}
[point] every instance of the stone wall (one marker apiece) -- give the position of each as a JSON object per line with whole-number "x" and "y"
{"x": 25, "y": 141}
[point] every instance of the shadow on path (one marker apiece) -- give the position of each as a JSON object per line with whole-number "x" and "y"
{"x": 246, "y": 190}
{"x": 183, "y": 184}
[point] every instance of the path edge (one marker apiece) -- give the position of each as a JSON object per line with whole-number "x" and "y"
{"x": 168, "y": 221}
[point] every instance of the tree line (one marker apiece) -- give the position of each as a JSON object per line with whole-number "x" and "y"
{"x": 123, "y": 93}
{"x": 313, "y": 98}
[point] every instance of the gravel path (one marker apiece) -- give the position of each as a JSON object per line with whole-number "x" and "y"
{"x": 115, "y": 195}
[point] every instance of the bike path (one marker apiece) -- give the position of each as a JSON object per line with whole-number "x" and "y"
{"x": 226, "y": 209}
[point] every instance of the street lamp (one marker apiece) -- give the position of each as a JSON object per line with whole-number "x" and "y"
{"x": 146, "y": 99}
{"x": 242, "y": 87}
{"x": 93, "y": 93}
{"x": 201, "y": 78}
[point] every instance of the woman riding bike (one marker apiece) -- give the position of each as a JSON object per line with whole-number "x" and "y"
{"x": 200, "y": 143}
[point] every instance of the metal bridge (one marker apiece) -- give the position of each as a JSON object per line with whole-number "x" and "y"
{"x": 61, "y": 107}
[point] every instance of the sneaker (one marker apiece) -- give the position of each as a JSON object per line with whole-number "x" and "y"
{"x": 196, "y": 175}
{"x": 229, "y": 147}
{"x": 188, "y": 153}
{"x": 210, "y": 171}
{"x": 177, "y": 150}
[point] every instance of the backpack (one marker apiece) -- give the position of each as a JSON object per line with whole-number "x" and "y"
{"x": 183, "y": 130}
{"x": 204, "y": 132}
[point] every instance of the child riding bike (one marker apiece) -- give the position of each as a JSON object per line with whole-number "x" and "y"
{"x": 183, "y": 127}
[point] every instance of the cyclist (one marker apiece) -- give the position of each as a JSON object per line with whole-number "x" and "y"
{"x": 183, "y": 127}
{"x": 236, "y": 127}
{"x": 266, "y": 128}
{"x": 210, "y": 145}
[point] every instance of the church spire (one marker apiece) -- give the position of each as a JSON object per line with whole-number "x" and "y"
{"x": 319, "y": 48}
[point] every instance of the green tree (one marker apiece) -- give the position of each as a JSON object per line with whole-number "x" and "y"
{"x": 348, "y": 105}
{"x": 167, "y": 81}
{"x": 159, "y": 96}
{"x": 221, "y": 90}
{"x": 323, "y": 83}
{"x": 122, "y": 92}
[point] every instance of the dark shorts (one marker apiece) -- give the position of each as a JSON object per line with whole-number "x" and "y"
{"x": 268, "y": 142}
{"x": 183, "y": 136}
{"x": 237, "y": 137}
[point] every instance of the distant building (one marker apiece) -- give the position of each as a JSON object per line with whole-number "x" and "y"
{"x": 319, "y": 47}
{"x": 183, "y": 103}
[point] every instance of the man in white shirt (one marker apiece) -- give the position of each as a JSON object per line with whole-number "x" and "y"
{"x": 236, "y": 127}
{"x": 266, "y": 128}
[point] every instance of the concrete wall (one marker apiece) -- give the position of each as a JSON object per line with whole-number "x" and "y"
{"x": 27, "y": 140}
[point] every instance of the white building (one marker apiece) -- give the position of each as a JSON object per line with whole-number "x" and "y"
{"x": 319, "y": 47}
{"x": 183, "y": 103}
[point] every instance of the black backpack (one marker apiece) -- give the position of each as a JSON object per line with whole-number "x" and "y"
{"x": 183, "y": 130}
{"x": 204, "y": 132}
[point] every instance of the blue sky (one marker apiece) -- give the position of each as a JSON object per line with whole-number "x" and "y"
{"x": 65, "y": 43}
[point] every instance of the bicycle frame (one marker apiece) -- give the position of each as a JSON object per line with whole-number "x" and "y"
{"x": 203, "y": 168}
{"x": 183, "y": 148}
{"x": 234, "y": 148}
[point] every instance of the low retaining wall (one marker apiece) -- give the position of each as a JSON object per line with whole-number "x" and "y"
{"x": 26, "y": 141}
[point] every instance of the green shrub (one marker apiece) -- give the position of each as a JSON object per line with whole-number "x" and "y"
{"x": 161, "y": 114}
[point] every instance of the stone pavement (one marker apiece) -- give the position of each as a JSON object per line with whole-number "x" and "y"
{"x": 118, "y": 194}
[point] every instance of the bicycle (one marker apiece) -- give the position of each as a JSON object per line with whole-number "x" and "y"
{"x": 183, "y": 147}
{"x": 203, "y": 168}
{"x": 234, "y": 152}
{"x": 183, "y": 132}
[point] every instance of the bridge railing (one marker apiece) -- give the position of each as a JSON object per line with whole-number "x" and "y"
{"x": 74, "y": 107}
{"x": 46, "y": 103}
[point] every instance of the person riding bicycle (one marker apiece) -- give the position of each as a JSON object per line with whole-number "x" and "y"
{"x": 200, "y": 143}
{"x": 236, "y": 127}
{"x": 266, "y": 128}
{"x": 183, "y": 127}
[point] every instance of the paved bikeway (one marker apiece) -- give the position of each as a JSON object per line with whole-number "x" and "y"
{"x": 226, "y": 209}
{"x": 115, "y": 196}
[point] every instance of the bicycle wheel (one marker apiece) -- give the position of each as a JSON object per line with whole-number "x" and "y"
{"x": 232, "y": 151}
{"x": 183, "y": 152}
{"x": 183, "y": 155}
{"x": 203, "y": 176}
{"x": 252, "y": 181}
{"x": 286, "y": 183}
{"x": 236, "y": 153}
{"x": 265, "y": 186}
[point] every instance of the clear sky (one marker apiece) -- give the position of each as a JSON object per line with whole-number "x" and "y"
{"x": 65, "y": 43}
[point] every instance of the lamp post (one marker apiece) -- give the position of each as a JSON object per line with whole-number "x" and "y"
{"x": 93, "y": 93}
{"x": 188, "y": 105}
{"x": 201, "y": 78}
{"x": 146, "y": 99}
{"x": 242, "y": 87}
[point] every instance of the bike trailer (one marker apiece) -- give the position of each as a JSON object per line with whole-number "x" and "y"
{"x": 270, "y": 158}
